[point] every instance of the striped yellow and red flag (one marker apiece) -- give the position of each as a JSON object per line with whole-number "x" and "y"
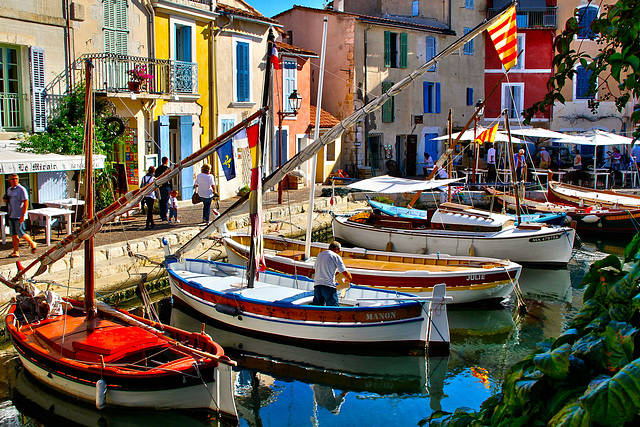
{"x": 504, "y": 34}
{"x": 488, "y": 135}
{"x": 255, "y": 200}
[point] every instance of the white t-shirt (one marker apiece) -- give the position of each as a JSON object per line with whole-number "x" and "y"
{"x": 327, "y": 263}
{"x": 205, "y": 184}
{"x": 147, "y": 179}
{"x": 173, "y": 202}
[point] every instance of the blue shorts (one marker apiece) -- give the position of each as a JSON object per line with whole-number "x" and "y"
{"x": 325, "y": 295}
{"x": 16, "y": 228}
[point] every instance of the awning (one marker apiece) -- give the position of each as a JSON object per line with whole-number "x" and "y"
{"x": 389, "y": 184}
{"x": 19, "y": 162}
{"x": 596, "y": 138}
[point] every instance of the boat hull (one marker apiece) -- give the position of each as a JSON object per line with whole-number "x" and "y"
{"x": 547, "y": 246}
{"x": 484, "y": 279}
{"x": 581, "y": 196}
{"x": 182, "y": 388}
{"x": 397, "y": 327}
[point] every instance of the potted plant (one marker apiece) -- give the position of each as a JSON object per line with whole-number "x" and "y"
{"x": 139, "y": 78}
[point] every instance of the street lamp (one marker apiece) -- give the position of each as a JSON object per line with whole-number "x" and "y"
{"x": 294, "y": 105}
{"x": 476, "y": 147}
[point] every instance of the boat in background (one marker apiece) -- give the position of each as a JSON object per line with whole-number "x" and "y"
{"x": 468, "y": 279}
{"x": 589, "y": 219}
{"x": 459, "y": 231}
{"x": 574, "y": 195}
{"x": 278, "y": 307}
{"x": 400, "y": 212}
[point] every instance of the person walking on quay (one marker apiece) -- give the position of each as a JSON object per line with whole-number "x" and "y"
{"x": 165, "y": 189}
{"x": 327, "y": 264}
{"x": 206, "y": 190}
{"x": 17, "y": 200}
{"x": 149, "y": 200}
{"x": 173, "y": 206}
{"x": 491, "y": 164}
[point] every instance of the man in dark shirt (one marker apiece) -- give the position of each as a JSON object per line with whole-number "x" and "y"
{"x": 165, "y": 189}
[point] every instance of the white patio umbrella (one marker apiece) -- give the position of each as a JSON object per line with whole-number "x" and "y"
{"x": 596, "y": 138}
{"x": 468, "y": 135}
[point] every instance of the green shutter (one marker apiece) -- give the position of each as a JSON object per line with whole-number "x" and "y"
{"x": 387, "y": 107}
{"x": 403, "y": 50}
{"x": 387, "y": 49}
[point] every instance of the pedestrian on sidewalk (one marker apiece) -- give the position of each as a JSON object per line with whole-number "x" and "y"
{"x": 165, "y": 189}
{"x": 206, "y": 190}
{"x": 17, "y": 200}
{"x": 150, "y": 199}
{"x": 173, "y": 206}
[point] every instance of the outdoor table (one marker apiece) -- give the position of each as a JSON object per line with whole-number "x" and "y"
{"x": 633, "y": 174}
{"x": 47, "y": 214}
{"x": 598, "y": 174}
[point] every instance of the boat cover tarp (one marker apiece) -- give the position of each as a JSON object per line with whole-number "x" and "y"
{"x": 390, "y": 184}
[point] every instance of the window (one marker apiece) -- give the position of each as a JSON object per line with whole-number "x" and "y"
{"x": 582, "y": 83}
{"x": 521, "y": 53}
{"x": 226, "y": 124}
{"x": 431, "y": 51}
{"x": 331, "y": 151}
{"x": 431, "y": 97}
{"x": 395, "y": 50}
{"x": 115, "y": 26}
{"x": 10, "y": 98}
{"x": 242, "y": 77}
{"x": 468, "y": 4}
{"x": 586, "y": 16}
{"x": 289, "y": 81}
{"x": 415, "y": 8}
{"x": 468, "y": 47}
{"x": 469, "y": 96}
{"x": 513, "y": 99}
{"x": 387, "y": 107}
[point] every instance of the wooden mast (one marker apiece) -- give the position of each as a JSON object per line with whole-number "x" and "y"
{"x": 89, "y": 283}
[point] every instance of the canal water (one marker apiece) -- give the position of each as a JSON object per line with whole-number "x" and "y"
{"x": 280, "y": 385}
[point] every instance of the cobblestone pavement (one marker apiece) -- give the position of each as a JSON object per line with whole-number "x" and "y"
{"x": 133, "y": 227}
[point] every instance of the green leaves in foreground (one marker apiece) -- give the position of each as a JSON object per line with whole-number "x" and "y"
{"x": 590, "y": 375}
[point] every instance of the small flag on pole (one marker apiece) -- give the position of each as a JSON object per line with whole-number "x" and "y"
{"x": 504, "y": 34}
{"x": 225, "y": 154}
{"x": 488, "y": 135}
{"x": 274, "y": 57}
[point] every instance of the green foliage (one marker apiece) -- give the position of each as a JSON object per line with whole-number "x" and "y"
{"x": 383, "y": 199}
{"x": 65, "y": 135}
{"x": 616, "y": 66}
{"x": 590, "y": 375}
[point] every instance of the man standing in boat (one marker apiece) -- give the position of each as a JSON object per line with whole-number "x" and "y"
{"x": 327, "y": 264}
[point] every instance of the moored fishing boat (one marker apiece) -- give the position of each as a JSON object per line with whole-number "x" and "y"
{"x": 468, "y": 279}
{"x": 458, "y": 232}
{"x": 589, "y": 219}
{"x": 95, "y": 353}
{"x": 580, "y": 196}
{"x": 278, "y": 307}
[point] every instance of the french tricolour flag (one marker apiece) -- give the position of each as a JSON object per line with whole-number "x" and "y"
{"x": 274, "y": 57}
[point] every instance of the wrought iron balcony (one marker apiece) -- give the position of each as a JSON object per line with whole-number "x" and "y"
{"x": 547, "y": 18}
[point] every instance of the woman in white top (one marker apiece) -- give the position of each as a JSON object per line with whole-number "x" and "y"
{"x": 150, "y": 199}
{"x": 206, "y": 190}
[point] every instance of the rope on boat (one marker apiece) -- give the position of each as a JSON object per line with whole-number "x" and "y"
{"x": 522, "y": 307}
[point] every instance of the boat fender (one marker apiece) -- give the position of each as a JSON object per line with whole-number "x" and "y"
{"x": 472, "y": 250}
{"x": 568, "y": 220}
{"x": 101, "y": 394}
{"x": 591, "y": 219}
{"x": 227, "y": 309}
{"x": 389, "y": 247}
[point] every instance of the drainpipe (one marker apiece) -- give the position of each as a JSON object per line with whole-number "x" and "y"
{"x": 213, "y": 87}
{"x": 365, "y": 130}
{"x": 151, "y": 34}
{"x": 70, "y": 51}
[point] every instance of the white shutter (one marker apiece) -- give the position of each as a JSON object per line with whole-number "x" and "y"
{"x": 39, "y": 107}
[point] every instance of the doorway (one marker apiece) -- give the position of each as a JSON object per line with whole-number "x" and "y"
{"x": 412, "y": 151}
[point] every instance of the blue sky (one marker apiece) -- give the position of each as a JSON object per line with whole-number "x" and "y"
{"x": 270, "y": 8}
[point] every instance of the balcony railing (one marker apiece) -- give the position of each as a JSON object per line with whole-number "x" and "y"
{"x": 11, "y": 110}
{"x": 533, "y": 19}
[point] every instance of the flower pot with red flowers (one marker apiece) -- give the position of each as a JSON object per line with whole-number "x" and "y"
{"x": 139, "y": 78}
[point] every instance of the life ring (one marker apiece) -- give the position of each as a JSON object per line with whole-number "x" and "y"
{"x": 119, "y": 125}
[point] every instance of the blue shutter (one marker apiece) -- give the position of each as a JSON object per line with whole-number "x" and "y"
{"x": 163, "y": 135}
{"x": 425, "y": 96}
{"x": 186, "y": 149}
{"x": 186, "y": 43}
{"x": 242, "y": 72}
{"x": 469, "y": 96}
{"x": 437, "y": 97}
{"x": 431, "y": 50}
{"x": 586, "y": 15}
{"x": 431, "y": 145}
{"x": 582, "y": 83}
